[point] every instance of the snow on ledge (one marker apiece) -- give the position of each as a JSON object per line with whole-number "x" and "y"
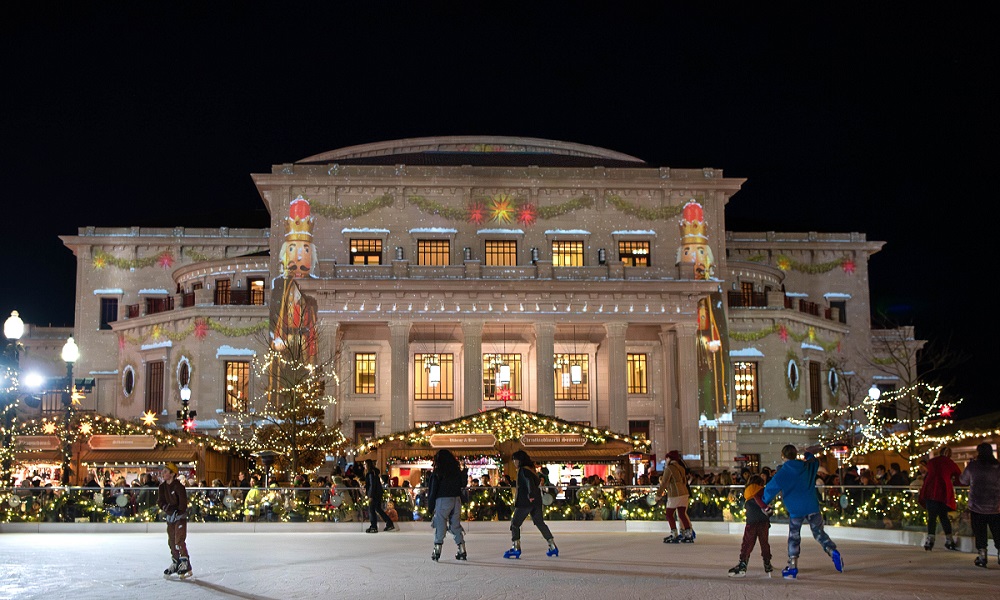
{"x": 230, "y": 351}
{"x": 109, "y": 291}
{"x": 746, "y": 352}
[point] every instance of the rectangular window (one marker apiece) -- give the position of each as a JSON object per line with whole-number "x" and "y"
{"x": 109, "y": 312}
{"x": 222, "y": 295}
{"x": 567, "y": 254}
{"x": 434, "y": 253}
{"x": 366, "y": 252}
{"x": 636, "y": 364}
{"x": 237, "y": 386}
{"x": 494, "y": 388}
{"x": 566, "y": 388}
{"x": 745, "y": 386}
{"x": 363, "y": 431}
{"x": 501, "y": 253}
{"x": 423, "y": 386}
{"x": 364, "y": 373}
{"x": 842, "y": 306}
{"x": 256, "y": 287}
{"x": 633, "y": 253}
{"x": 746, "y": 293}
{"x": 154, "y": 387}
{"x": 815, "y": 388}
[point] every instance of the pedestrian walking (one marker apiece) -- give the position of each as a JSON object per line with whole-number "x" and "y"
{"x": 982, "y": 475}
{"x": 375, "y": 491}
{"x": 527, "y": 501}
{"x": 796, "y": 482}
{"x": 172, "y": 500}
{"x": 447, "y": 488}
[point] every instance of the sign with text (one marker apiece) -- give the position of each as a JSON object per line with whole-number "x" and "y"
{"x": 122, "y": 442}
{"x": 537, "y": 440}
{"x": 37, "y": 443}
{"x": 462, "y": 440}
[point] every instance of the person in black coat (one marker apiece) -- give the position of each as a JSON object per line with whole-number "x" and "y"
{"x": 527, "y": 501}
{"x": 447, "y": 488}
{"x": 375, "y": 491}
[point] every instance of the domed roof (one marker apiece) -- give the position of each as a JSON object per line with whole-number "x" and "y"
{"x": 476, "y": 151}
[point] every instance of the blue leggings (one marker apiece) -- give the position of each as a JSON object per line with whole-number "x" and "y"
{"x": 815, "y": 521}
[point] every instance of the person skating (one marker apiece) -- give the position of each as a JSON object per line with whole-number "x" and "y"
{"x": 447, "y": 485}
{"x": 758, "y": 522}
{"x": 172, "y": 500}
{"x": 674, "y": 485}
{"x": 982, "y": 475}
{"x": 375, "y": 491}
{"x": 527, "y": 501}
{"x": 796, "y": 482}
{"x": 937, "y": 495}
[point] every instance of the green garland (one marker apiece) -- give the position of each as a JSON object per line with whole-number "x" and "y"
{"x": 785, "y": 263}
{"x": 237, "y": 331}
{"x": 103, "y": 259}
{"x": 214, "y": 326}
{"x": 548, "y": 212}
{"x": 756, "y": 258}
{"x": 648, "y": 214}
{"x": 753, "y": 336}
{"x": 195, "y": 256}
{"x": 436, "y": 208}
{"x": 351, "y": 212}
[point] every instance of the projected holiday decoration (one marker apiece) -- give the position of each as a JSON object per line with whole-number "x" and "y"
{"x": 298, "y": 249}
{"x": 694, "y": 249}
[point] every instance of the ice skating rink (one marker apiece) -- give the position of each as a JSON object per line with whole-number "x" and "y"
{"x": 601, "y": 562}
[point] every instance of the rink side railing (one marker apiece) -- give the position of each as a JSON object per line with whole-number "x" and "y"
{"x": 874, "y": 507}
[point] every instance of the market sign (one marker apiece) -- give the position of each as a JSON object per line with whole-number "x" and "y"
{"x": 462, "y": 440}
{"x": 37, "y": 443}
{"x": 542, "y": 440}
{"x": 122, "y": 442}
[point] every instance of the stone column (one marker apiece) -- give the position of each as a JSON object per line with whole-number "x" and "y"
{"x": 545, "y": 335}
{"x": 472, "y": 359}
{"x": 327, "y": 355}
{"x": 617, "y": 382}
{"x": 687, "y": 387}
{"x": 668, "y": 402}
{"x": 399, "y": 404}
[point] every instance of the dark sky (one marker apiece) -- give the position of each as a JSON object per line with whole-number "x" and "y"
{"x": 842, "y": 117}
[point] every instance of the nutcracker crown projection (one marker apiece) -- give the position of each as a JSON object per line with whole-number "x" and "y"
{"x": 298, "y": 249}
{"x": 694, "y": 248}
{"x": 295, "y": 321}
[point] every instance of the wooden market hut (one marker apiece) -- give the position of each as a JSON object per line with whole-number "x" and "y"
{"x": 501, "y": 432}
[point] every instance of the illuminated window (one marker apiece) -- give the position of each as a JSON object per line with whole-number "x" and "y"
{"x": 567, "y": 254}
{"x": 745, "y": 386}
{"x": 501, "y": 253}
{"x": 633, "y": 253}
{"x": 237, "y": 386}
{"x": 424, "y": 387}
{"x": 494, "y": 372}
{"x": 565, "y": 387}
{"x": 364, "y": 373}
{"x": 636, "y": 364}
{"x": 366, "y": 252}
{"x": 256, "y": 287}
{"x": 433, "y": 252}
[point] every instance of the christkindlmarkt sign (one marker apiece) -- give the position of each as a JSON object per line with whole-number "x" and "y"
{"x": 462, "y": 440}
{"x": 550, "y": 440}
{"x": 37, "y": 443}
{"x": 122, "y": 442}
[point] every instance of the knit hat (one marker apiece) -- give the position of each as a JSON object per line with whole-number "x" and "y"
{"x": 674, "y": 455}
{"x": 172, "y": 467}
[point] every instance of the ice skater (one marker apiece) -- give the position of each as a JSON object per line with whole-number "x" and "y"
{"x": 172, "y": 500}
{"x": 674, "y": 485}
{"x": 796, "y": 482}
{"x": 527, "y": 501}
{"x": 758, "y": 524}
{"x": 447, "y": 485}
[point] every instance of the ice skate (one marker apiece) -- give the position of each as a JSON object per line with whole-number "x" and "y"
{"x": 768, "y": 569}
{"x": 172, "y": 569}
{"x": 950, "y": 543}
{"x": 673, "y": 538}
{"x": 390, "y": 527}
{"x": 514, "y": 552}
{"x": 553, "y": 550}
{"x": 687, "y": 536}
{"x": 791, "y": 571}
{"x": 838, "y": 561}
{"x": 184, "y": 568}
{"x": 436, "y": 552}
{"x": 929, "y": 542}
{"x": 981, "y": 559}
{"x": 739, "y": 570}
{"x": 372, "y": 529}
{"x": 462, "y": 554}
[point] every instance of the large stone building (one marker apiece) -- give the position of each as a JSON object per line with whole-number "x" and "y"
{"x": 458, "y": 274}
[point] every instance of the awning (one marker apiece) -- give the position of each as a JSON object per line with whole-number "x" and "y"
{"x": 45, "y": 456}
{"x": 140, "y": 458}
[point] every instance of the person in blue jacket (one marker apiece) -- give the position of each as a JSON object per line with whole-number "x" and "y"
{"x": 796, "y": 482}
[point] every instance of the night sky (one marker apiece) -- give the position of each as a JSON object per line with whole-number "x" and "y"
{"x": 847, "y": 117}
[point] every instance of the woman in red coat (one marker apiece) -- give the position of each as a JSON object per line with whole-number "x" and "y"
{"x": 937, "y": 495}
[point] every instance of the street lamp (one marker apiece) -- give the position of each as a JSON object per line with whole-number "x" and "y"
{"x": 874, "y": 393}
{"x": 70, "y": 354}
{"x": 13, "y": 329}
{"x": 185, "y": 416}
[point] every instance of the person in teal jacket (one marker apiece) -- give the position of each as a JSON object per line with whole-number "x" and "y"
{"x": 795, "y": 480}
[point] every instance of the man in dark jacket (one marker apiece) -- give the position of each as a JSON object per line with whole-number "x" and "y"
{"x": 173, "y": 501}
{"x": 375, "y": 491}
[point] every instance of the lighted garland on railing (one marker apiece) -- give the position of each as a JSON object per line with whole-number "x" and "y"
{"x": 648, "y": 214}
{"x": 351, "y": 212}
{"x": 102, "y": 259}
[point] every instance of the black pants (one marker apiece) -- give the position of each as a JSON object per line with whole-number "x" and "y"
{"x": 520, "y": 512}
{"x": 937, "y": 511}
{"x": 979, "y": 524}
{"x": 375, "y": 508}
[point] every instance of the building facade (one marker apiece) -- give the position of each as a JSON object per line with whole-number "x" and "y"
{"x": 447, "y": 276}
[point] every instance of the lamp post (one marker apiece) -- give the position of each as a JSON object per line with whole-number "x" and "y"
{"x": 70, "y": 354}
{"x": 13, "y": 329}
{"x": 184, "y": 415}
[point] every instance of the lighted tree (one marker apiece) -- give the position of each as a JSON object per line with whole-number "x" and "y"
{"x": 290, "y": 416}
